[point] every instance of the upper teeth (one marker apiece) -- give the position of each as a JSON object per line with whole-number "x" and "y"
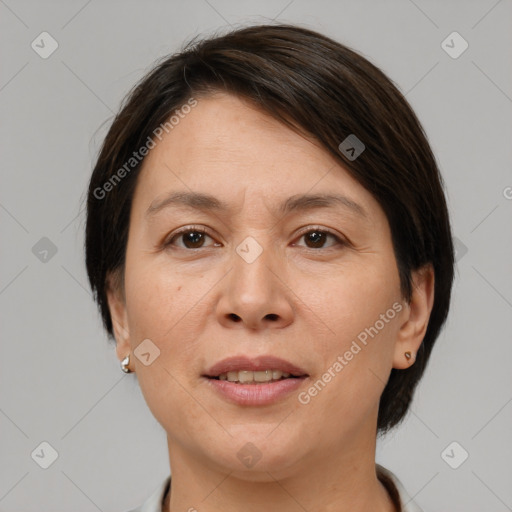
{"x": 245, "y": 376}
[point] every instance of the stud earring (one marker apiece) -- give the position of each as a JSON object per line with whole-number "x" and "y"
{"x": 124, "y": 364}
{"x": 408, "y": 355}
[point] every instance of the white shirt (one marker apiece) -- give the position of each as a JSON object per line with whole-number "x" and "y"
{"x": 155, "y": 502}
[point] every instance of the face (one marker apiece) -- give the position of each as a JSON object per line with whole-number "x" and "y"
{"x": 258, "y": 277}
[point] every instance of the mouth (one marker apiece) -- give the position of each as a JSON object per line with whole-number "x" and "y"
{"x": 256, "y": 377}
{"x": 258, "y": 381}
{"x": 259, "y": 370}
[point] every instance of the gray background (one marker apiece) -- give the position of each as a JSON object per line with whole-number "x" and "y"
{"x": 60, "y": 380}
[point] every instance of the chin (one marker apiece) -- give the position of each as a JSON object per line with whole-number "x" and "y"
{"x": 250, "y": 455}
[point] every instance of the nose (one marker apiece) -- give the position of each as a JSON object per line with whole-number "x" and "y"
{"x": 255, "y": 294}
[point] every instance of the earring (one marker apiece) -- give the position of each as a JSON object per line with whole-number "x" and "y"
{"x": 408, "y": 356}
{"x": 124, "y": 364}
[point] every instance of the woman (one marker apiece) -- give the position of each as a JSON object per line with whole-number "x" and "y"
{"x": 269, "y": 245}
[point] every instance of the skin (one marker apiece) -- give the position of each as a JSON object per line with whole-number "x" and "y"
{"x": 318, "y": 456}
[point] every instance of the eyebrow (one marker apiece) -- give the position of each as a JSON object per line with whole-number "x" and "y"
{"x": 207, "y": 202}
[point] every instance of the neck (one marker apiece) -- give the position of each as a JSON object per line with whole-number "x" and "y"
{"x": 332, "y": 482}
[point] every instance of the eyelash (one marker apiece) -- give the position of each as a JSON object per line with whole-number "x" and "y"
{"x": 204, "y": 231}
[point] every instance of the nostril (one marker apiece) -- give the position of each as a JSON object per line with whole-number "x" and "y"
{"x": 271, "y": 316}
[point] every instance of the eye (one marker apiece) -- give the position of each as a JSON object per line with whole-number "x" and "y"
{"x": 192, "y": 237}
{"x": 316, "y": 237}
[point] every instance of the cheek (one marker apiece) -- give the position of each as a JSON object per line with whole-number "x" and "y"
{"x": 161, "y": 307}
{"x": 158, "y": 298}
{"x": 355, "y": 299}
{"x": 171, "y": 309}
{"x": 362, "y": 315}
{"x": 174, "y": 406}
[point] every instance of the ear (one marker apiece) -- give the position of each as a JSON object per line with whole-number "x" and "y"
{"x": 118, "y": 314}
{"x": 415, "y": 317}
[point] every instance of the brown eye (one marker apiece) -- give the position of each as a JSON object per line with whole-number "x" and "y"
{"x": 191, "y": 238}
{"x": 316, "y": 238}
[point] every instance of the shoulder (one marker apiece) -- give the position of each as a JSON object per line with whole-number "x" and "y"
{"x": 397, "y": 489}
{"x": 155, "y": 501}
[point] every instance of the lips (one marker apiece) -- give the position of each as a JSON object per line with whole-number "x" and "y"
{"x": 258, "y": 381}
{"x": 257, "y": 364}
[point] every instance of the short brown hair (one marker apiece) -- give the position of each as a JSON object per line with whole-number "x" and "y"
{"x": 315, "y": 85}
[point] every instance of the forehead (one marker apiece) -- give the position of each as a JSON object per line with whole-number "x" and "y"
{"x": 229, "y": 129}
{"x": 227, "y": 147}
